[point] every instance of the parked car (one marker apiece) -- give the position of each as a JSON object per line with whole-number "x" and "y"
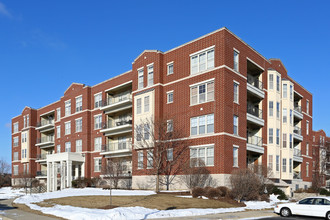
{"x": 312, "y": 206}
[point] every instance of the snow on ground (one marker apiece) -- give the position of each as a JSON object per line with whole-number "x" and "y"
{"x": 190, "y": 197}
{"x": 9, "y": 193}
{"x": 77, "y": 213}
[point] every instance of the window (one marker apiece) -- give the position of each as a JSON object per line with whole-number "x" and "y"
{"x": 169, "y": 125}
{"x": 307, "y": 149}
{"x": 202, "y": 61}
{"x": 307, "y": 127}
{"x": 277, "y": 110}
{"x": 307, "y": 169}
{"x": 284, "y": 165}
{"x": 24, "y": 123}
{"x": 202, "y": 156}
{"x": 285, "y": 91}
{"x": 15, "y": 156}
{"x": 277, "y": 163}
{"x": 290, "y": 165}
{"x": 235, "y": 125}
{"x": 15, "y": 170}
{"x": 150, "y": 75}
{"x": 58, "y": 114}
{"x": 202, "y": 124}
{"x": 139, "y": 132}
{"x": 235, "y": 156}
{"x": 68, "y": 108}
{"x": 79, "y": 104}
{"x": 290, "y": 140}
{"x": 236, "y": 58}
{"x": 271, "y": 108}
{"x": 79, "y": 145}
{"x": 98, "y": 100}
{"x": 97, "y": 122}
{"x": 236, "y": 90}
{"x": 313, "y": 138}
{"x": 307, "y": 107}
{"x": 79, "y": 125}
{"x": 170, "y": 154}
{"x": 138, "y": 106}
{"x": 147, "y": 132}
{"x": 23, "y": 154}
{"x": 150, "y": 159}
{"x": 15, "y": 127}
{"x": 140, "y": 78}
{"x": 278, "y": 136}
{"x": 284, "y": 140}
{"x": 291, "y": 117}
{"x": 146, "y": 104}
{"x": 58, "y": 131}
{"x": 271, "y": 135}
{"x": 24, "y": 137}
{"x": 68, "y": 127}
{"x": 58, "y": 148}
{"x": 27, "y": 120}
{"x": 67, "y": 146}
{"x": 285, "y": 117}
{"x": 97, "y": 143}
{"x": 270, "y": 162}
{"x": 170, "y": 97}
{"x": 140, "y": 160}
{"x": 271, "y": 81}
{"x": 278, "y": 83}
{"x": 170, "y": 68}
{"x": 15, "y": 141}
{"x": 291, "y": 92}
{"x": 202, "y": 93}
{"x": 97, "y": 164}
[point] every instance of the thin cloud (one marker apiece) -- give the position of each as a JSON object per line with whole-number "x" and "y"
{"x": 8, "y": 125}
{"x": 4, "y": 11}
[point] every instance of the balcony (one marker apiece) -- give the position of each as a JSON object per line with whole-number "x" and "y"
{"x": 254, "y": 144}
{"x": 297, "y": 112}
{"x": 297, "y": 134}
{"x": 254, "y": 115}
{"x": 41, "y": 157}
{"x": 46, "y": 141}
{"x": 117, "y": 127}
{"x": 117, "y": 149}
{"x": 255, "y": 87}
{"x": 117, "y": 104}
{"x": 297, "y": 175}
{"x": 45, "y": 125}
{"x": 42, "y": 173}
{"x": 297, "y": 155}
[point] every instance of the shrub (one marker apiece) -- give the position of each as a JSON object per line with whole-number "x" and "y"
{"x": 252, "y": 196}
{"x": 81, "y": 183}
{"x": 264, "y": 197}
{"x": 224, "y": 191}
{"x": 213, "y": 193}
{"x": 300, "y": 190}
{"x": 197, "y": 192}
{"x": 282, "y": 196}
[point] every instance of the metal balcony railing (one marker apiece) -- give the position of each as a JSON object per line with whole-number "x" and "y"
{"x": 45, "y": 122}
{"x": 296, "y": 152}
{"x": 254, "y": 81}
{"x": 254, "y": 111}
{"x": 297, "y": 108}
{"x": 117, "y": 99}
{"x": 111, "y": 147}
{"x": 297, "y": 130}
{"x": 255, "y": 140}
{"x": 42, "y": 173}
{"x": 296, "y": 175}
{"x": 116, "y": 123}
{"x": 45, "y": 139}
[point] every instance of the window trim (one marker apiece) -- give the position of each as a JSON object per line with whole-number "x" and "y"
{"x": 206, "y": 133}
{"x": 140, "y": 70}
{"x": 65, "y": 123}
{"x": 206, "y": 92}
{"x": 75, "y": 122}
{"x": 197, "y": 54}
{"x": 237, "y": 148}
{"x": 167, "y": 95}
{"x": 236, "y": 83}
{"x": 167, "y": 65}
{"x": 100, "y": 126}
{"x": 205, "y": 146}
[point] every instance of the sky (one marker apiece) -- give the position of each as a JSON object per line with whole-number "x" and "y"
{"x": 47, "y": 45}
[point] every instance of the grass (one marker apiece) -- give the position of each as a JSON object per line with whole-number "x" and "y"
{"x": 158, "y": 201}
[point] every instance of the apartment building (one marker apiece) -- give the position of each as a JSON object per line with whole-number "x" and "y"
{"x": 237, "y": 109}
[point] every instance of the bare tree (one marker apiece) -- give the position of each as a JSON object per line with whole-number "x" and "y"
{"x": 263, "y": 173}
{"x": 4, "y": 170}
{"x": 319, "y": 166}
{"x": 26, "y": 180}
{"x": 165, "y": 146}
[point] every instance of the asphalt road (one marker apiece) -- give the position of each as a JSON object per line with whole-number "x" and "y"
{"x": 292, "y": 218}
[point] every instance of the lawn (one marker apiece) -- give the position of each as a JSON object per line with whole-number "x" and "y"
{"x": 157, "y": 201}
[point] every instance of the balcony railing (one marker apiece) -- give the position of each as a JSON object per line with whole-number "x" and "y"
{"x": 45, "y": 139}
{"x": 117, "y": 146}
{"x": 45, "y": 122}
{"x": 296, "y": 152}
{"x": 297, "y": 130}
{"x": 117, "y": 99}
{"x": 41, "y": 156}
{"x": 297, "y": 108}
{"x": 255, "y": 140}
{"x": 254, "y": 111}
{"x": 296, "y": 175}
{"x": 42, "y": 173}
{"x": 116, "y": 123}
{"x": 254, "y": 81}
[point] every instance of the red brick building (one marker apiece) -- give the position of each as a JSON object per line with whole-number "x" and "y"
{"x": 237, "y": 109}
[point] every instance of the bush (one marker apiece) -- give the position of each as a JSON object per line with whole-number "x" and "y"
{"x": 300, "y": 190}
{"x": 197, "y": 192}
{"x": 213, "y": 193}
{"x": 81, "y": 183}
{"x": 279, "y": 192}
{"x": 224, "y": 191}
{"x": 282, "y": 197}
{"x": 264, "y": 197}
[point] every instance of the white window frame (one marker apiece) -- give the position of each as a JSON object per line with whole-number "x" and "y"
{"x": 271, "y": 108}
{"x": 98, "y": 100}
{"x": 206, "y": 94}
{"x": 235, "y": 155}
{"x": 79, "y": 145}
{"x": 146, "y": 104}
{"x": 270, "y": 162}
{"x": 307, "y": 149}
{"x": 307, "y": 127}
{"x": 285, "y": 90}
{"x": 97, "y": 144}
{"x": 284, "y": 165}
{"x": 278, "y": 109}
{"x": 150, "y": 70}
{"x": 68, "y": 146}
{"x": 140, "y": 160}
{"x": 58, "y": 114}
{"x": 271, "y": 136}
{"x": 271, "y": 81}
{"x": 278, "y": 141}
{"x": 278, "y": 83}
{"x": 206, "y": 156}
{"x": 198, "y": 125}
{"x": 58, "y": 131}
{"x": 236, "y": 60}
{"x": 290, "y": 165}
{"x": 140, "y": 78}
{"x": 285, "y": 115}
{"x": 209, "y": 64}
{"x": 67, "y": 107}
{"x": 168, "y": 96}
{"x": 67, "y": 127}
{"x": 277, "y": 163}
{"x": 97, "y": 164}
{"x": 78, "y": 123}
{"x": 150, "y": 159}
{"x": 235, "y": 125}
{"x": 58, "y": 148}
{"x": 15, "y": 171}
{"x": 236, "y": 93}
{"x": 307, "y": 169}
{"x": 16, "y": 141}
{"x": 169, "y": 125}
{"x": 97, "y": 121}
{"x": 79, "y": 101}
{"x": 15, "y": 127}
{"x": 15, "y": 156}
{"x": 169, "y": 154}
{"x": 170, "y": 64}
{"x": 307, "y": 107}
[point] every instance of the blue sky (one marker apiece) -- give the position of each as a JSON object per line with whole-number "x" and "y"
{"x": 47, "y": 45}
